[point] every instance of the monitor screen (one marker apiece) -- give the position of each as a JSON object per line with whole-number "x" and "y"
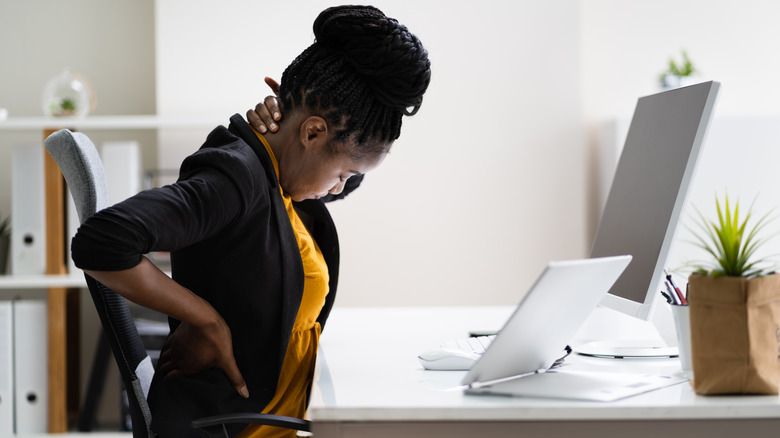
{"x": 649, "y": 188}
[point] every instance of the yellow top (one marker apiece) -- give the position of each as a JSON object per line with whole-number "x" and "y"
{"x": 298, "y": 369}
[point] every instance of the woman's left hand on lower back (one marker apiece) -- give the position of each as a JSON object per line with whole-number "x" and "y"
{"x": 191, "y": 349}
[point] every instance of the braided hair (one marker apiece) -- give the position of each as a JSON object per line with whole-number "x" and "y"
{"x": 364, "y": 72}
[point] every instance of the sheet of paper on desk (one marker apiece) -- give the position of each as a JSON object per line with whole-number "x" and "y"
{"x": 579, "y": 385}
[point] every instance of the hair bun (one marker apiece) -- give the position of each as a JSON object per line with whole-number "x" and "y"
{"x": 388, "y": 58}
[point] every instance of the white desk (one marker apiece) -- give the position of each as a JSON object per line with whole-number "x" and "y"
{"x": 369, "y": 383}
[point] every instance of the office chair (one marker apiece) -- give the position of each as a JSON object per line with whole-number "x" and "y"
{"x": 77, "y": 158}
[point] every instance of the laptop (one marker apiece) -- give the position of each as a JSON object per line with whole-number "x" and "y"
{"x": 518, "y": 360}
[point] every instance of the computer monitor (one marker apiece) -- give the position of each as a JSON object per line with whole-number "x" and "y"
{"x": 649, "y": 189}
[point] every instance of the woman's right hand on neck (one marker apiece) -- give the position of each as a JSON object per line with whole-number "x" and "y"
{"x": 266, "y": 115}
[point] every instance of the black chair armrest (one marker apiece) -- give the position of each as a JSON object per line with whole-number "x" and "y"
{"x": 215, "y": 425}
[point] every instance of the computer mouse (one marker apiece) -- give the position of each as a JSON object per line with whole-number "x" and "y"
{"x": 445, "y": 359}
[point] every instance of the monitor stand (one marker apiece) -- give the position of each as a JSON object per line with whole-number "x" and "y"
{"x": 611, "y": 334}
{"x": 627, "y": 349}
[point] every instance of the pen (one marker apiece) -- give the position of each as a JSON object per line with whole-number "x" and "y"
{"x": 683, "y": 301}
{"x": 668, "y": 298}
{"x": 672, "y": 293}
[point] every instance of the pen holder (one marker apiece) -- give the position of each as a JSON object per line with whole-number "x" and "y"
{"x": 682, "y": 323}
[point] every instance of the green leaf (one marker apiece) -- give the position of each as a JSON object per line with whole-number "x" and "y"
{"x": 731, "y": 240}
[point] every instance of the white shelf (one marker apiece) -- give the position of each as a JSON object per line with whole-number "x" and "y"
{"x": 112, "y": 122}
{"x": 42, "y": 281}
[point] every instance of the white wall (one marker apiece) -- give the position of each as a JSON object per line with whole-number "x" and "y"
{"x": 111, "y": 43}
{"x": 626, "y": 44}
{"x": 486, "y": 183}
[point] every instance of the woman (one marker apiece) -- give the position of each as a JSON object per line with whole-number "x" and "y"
{"x": 254, "y": 251}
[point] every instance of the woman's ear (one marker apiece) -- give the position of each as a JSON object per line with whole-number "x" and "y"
{"x": 313, "y": 132}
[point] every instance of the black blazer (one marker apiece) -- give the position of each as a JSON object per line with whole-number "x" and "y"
{"x": 231, "y": 243}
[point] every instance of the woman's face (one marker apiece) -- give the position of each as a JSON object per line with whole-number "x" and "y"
{"x": 318, "y": 171}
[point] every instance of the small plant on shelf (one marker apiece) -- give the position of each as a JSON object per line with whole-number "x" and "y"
{"x": 678, "y": 74}
{"x": 67, "y": 107}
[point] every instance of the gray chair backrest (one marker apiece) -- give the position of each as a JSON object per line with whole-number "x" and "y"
{"x": 80, "y": 163}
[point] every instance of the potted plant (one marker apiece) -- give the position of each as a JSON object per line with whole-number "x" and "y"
{"x": 678, "y": 75}
{"x": 734, "y": 300}
{"x": 68, "y": 94}
{"x": 5, "y": 243}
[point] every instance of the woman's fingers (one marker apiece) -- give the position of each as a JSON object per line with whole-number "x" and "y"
{"x": 264, "y": 117}
{"x": 272, "y": 84}
{"x": 230, "y": 368}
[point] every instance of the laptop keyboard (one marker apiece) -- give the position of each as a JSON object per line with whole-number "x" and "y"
{"x": 474, "y": 344}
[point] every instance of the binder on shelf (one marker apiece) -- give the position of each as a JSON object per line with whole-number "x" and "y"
{"x": 6, "y": 369}
{"x": 122, "y": 164}
{"x": 30, "y": 366}
{"x": 28, "y": 210}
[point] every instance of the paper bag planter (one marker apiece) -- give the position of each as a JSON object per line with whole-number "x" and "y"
{"x": 735, "y": 334}
{"x": 734, "y": 301}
